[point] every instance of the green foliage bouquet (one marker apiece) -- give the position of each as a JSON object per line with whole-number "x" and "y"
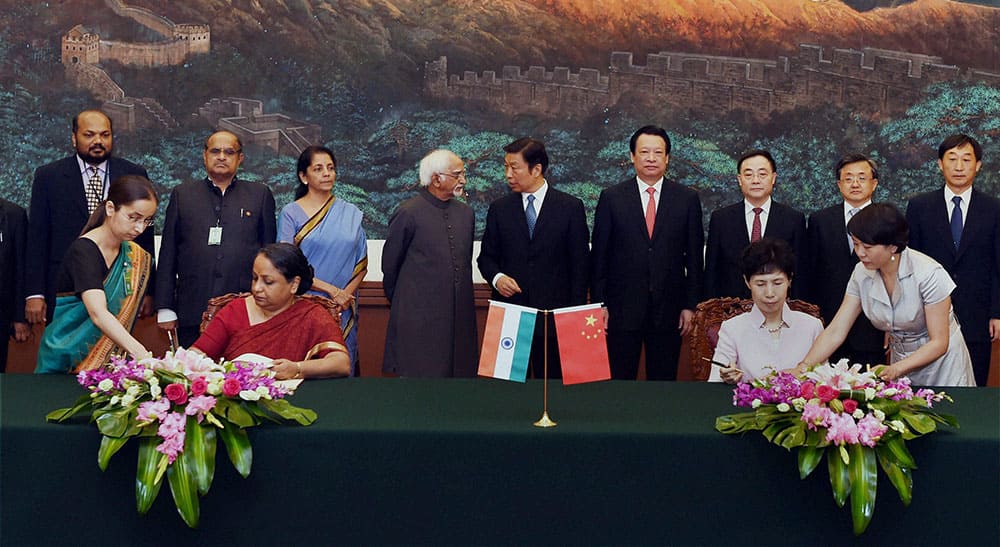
{"x": 176, "y": 407}
{"x": 858, "y": 417}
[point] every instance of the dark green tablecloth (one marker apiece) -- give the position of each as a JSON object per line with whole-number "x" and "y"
{"x": 457, "y": 461}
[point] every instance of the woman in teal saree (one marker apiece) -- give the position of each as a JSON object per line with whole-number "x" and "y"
{"x": 329, "y": 232}
{"x": 101, "y": 284}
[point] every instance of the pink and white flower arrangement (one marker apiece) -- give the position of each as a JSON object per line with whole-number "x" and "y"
{"x": 859, "y": 417}
{"x": 176, "y": 407}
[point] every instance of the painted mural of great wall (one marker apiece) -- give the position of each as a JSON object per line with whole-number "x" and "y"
{"x": 83, "y": 52}
{"x": 869, "y": 80}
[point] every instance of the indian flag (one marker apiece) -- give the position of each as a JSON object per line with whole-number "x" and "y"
{"x": 507, "y": 341}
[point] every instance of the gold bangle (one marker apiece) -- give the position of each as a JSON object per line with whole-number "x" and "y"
{"x": 298, "y": 367}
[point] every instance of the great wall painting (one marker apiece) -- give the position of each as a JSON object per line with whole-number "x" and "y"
{"x": 383, "y": 82}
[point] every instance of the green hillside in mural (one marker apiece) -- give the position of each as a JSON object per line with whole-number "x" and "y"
{"x": 356, "y": 73}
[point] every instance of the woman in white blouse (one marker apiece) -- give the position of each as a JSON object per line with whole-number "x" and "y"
{"x": 905, "y": 293}
{"x": 771, "y": 336}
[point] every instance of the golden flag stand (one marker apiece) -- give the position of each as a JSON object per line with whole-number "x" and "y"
{"x": 545, "y": 421}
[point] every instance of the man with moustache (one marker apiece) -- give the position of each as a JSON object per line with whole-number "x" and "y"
{"x": 212, "y": 232}
{"x": 732, "y": 228}
{"x": 833, "y": 258}
{"x": 427, "y": 277}
{"x": 959, "y": 227}
{"x": 63, "y": 195}
{"x": 534, "y": 249}
{"x": 646, "y": 261}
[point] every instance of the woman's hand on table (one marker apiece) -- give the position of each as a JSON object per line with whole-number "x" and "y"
{"x": 286, "y": 370}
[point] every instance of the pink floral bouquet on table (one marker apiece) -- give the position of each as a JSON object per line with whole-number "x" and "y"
{"x": 859, "y": 417}
{"x": 176, "y": 406}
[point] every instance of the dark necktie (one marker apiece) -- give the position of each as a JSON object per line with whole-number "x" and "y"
{"x": 850, "y": 215}
{"x": 956, "y": 221}
{"x": 95, "y": 189}
{"x": 529, "y": 212}
{"x": 756, "y": 230}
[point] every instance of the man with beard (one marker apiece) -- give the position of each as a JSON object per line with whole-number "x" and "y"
{"x": 63, "y": 195}
{"x": 211, "y": 234}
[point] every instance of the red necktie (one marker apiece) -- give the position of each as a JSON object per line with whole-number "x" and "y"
{"x": 650, "y": 211}
{"x": 755, "y": 231}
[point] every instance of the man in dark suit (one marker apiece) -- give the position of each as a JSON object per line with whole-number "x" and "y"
{"x": 646, "y": 261}
{"x": 212, "y": 232}
{"x": 732, "y": 228}
{"x": 13, "y": 233}
{"x": 63, "y": 195}
{"x": 833, "y": 258}
{"x": 959, "y": 227}
{"x": 534, "y": 248}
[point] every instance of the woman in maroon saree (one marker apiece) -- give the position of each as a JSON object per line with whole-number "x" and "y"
{"x": 302, "y": 338}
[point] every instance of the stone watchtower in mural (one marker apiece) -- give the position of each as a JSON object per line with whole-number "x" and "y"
{"x": 83, "y": 51}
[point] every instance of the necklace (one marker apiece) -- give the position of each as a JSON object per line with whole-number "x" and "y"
{"x": 777, "y": 329}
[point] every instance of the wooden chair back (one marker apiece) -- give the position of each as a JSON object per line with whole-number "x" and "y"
{"x": 217, "y": 303}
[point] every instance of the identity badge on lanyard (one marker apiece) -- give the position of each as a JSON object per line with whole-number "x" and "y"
{"x": 215, "y": 235}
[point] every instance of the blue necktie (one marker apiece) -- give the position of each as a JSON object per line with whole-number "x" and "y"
{"x": 532, "y": 216}
{"x": 956, "y": 221}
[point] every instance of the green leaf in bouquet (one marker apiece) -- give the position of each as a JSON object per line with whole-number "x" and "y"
{"x": 940, "y": 418}
{"x": 921, "y": 423}
{"x": 199, "y": 447}
{"x": 109, "y": 446}
{"x": 900, "y": 477}
{"x": 809, "y": 457}
{"x": 840, "y": 479}
{"x": 183, "y": 489}
{"x": 113, "y": 423}
{"x": 736, "y": 423}
{"x": 234, "y": 411}
{"x": 147, "y": 487}
{"x": 890, "y": 407}
{"x": 64, "y": 414}
{"x": 895, "y": 447}
{"x": 788, "y": 433}
{"x": 864, "y": 485}
{"x": 238, "y": 447}
{"x": 288, "y": 411}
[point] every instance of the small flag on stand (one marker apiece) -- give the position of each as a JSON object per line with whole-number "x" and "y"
{"x": 507, "y": 341}
{"x": 583, "y": 346}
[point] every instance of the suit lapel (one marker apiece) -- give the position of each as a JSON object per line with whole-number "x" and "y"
{"x": 974, "y": 220}
{"x": 634, "y": 210}
{"x": 519, "y": 218}
{"x": 74, "y": 185}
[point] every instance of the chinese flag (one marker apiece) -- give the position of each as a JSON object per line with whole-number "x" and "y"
{"x": 583, "y": 346}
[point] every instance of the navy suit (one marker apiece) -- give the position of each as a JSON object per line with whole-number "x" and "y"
{"x": 646, "y": 281}
{"x": 13, "y": 232}
{"x": 974, "y": 266}
{"x": 57, "y": 214}
{"x": 550, "y": 267}
{"x": 833, "y": 261}
{"x": 728, "y": 237}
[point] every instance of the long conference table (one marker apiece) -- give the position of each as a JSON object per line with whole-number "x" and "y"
{"x": 407, "y": 461}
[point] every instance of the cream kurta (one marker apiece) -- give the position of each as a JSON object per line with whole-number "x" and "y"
{"x": 920, "y": 282}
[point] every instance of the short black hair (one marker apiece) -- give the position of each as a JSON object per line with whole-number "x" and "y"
{"x": 649, "y": 130}
{"x": 766, "y": 256}
{"x": 754, "y": 153}
{"x": 532, "y": 150}
{"x": 960, "y": 139}
{"x": 880, "y": 224}
{"x": 854, "y": 158}
{"x": 289, "y": 260}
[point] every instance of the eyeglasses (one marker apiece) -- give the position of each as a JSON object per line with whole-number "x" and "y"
{"x": 852, "y": 180}
{"x": 229, "y": 152}
{"x": 136, "y": 218}
{"x": 459, "y": 175}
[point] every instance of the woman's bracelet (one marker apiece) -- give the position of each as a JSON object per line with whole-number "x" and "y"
{"x": 298, "y": 368}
